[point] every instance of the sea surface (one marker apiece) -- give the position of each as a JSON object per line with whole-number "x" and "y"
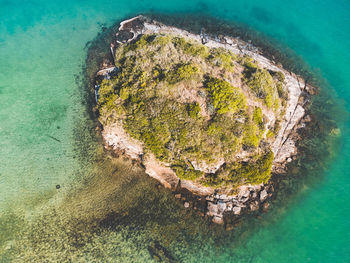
{"x": 63, "y": 200}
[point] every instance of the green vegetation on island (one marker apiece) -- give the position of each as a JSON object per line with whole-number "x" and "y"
{"x": 190, "y": 104}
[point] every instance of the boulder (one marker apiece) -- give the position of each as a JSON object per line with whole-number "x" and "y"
{"x": 212, "y": 209}
{"x": 263, "y": 195}
{"x": 221, "y": 207}
{"x": 218, "y": 220}
{"x": 266, "y": 206}
{"x": 254, "y": 206}
{"x": 236, "y": 210}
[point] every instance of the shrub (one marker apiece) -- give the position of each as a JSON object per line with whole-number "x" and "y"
{"x": 184, "y": 170}
{"x": 196, "y": 50}
{"x": 187, "y": 173}
{"x": 212, "y": 180}
{"x": 193, "y": 110}
{"x": 251, "y": 139}
{"x": 222, "y": 58}
{"x": 278, "y": 75}
{"x": 106, "y": 89}
{"x": 255, "y": 171}
{"x": 154, "y": 144}
{"x": 249, "y": 66}
{"x": 282, "y": 92}
{"x": 181, "y": 72}
{"x": 124, "y": 93}
{"x": 162, "y": 40}
{"x": 190, "y": 48}
{"x": 263, "y": 86}
{"x": 258, "y": 117}
{"x": 270, "y": 134}
{"x": 141, "y": 43}
{"x": 225, "y": 97}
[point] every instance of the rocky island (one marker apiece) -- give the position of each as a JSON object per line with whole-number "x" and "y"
{"x": 208, "y": 117}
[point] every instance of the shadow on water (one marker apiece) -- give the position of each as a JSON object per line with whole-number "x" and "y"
{"x": 116, "y": 212}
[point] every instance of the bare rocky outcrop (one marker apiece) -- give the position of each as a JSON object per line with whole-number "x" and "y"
{"x": 115, "y": 137}
{"x": 213, "y": 202}
{"x": 160, "y": 171}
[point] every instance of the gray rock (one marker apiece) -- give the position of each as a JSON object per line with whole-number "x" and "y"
{"x": 266, "y": 206}
{"x": 254, "y": 206}
{"x": 236, "y": 203}
{"x": 210, "y": 198}
{"x": 236, "y": 210}
{"x": 223, "y": 197}
{"x": 228, "y": 40}
{"x": 221, "y": 207}
{"x": 245, "y": 193}
{"x": 212, "y": 209}
{"x": 263, "y": 195}
{"x": 254, "y": 194}
{"x": 218, "y": 220}
{"x": 243, "y": 199}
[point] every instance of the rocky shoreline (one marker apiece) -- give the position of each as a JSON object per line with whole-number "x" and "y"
{"x": 221, "y": 206}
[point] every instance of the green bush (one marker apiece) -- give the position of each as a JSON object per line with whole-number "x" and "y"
{"x": 181, "y": 72}
{"x": 225, "y": 97}
{"x": 190, "y": 47}
{"x": 251, "y": 139}
{"x": 270, "y": 134}
{"x": 212, "y": 180}
{"x": 258, "y": 117}
{"x": 193, "y": 110}
{"x": 187, "y": 173}
{"x": 162, "y": 40}
{"x": 264, "y": 87}
{"x": 254, "y": 172}
{"x": 124, "y": 93}
{"x": 222, "y": 58}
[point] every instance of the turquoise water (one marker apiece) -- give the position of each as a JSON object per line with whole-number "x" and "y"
{"x": 108, "y": 211}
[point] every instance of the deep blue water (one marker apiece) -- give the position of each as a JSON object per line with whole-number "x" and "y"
{"x": 41, "y": 55}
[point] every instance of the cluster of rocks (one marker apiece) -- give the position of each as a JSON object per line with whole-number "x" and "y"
{"x": 222, "y": 208}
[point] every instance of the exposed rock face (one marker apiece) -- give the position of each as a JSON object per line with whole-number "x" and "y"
{"x": 160, "y": 171}
{"x": 202, "y": 166}
{"x": 196, "y": 188}
{"x": 115, "y": 137}
{"x": 250, "y": 198}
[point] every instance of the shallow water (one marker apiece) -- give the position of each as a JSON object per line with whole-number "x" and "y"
{"x": 107, "y": 211}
